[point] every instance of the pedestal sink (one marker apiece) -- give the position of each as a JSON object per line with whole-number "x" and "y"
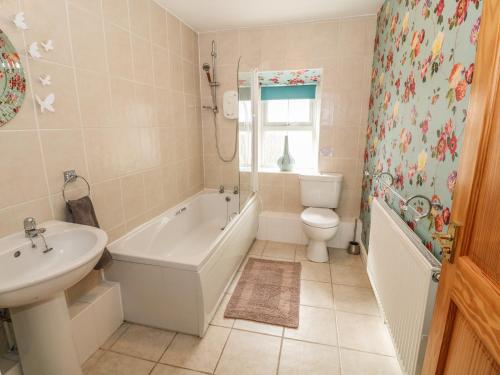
{"x": 32, "y": 284}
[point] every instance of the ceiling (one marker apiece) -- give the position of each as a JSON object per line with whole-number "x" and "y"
{"x": 210, "y": 15}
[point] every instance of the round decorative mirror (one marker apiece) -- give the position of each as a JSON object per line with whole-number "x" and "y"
{"x": 12, "y": 80}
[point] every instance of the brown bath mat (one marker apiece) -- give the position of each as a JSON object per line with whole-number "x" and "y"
{"x": 268, "y": 291}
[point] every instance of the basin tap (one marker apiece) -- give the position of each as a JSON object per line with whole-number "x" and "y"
{"x": 31, "y": 231}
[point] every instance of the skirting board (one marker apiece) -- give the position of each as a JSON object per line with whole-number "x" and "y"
{"x": 287, "y": 227}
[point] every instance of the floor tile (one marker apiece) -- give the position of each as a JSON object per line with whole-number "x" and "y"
{"x": 354, "y": 299}
{"x": 300, "y": 253}
{"x": 248, "y": 353}
{"x": 279, "y": 250}
{"x": 315, "y": 271}
{"x": 347, "y": 275}
{"x": 92, "y": 360}
{"x": 316, "y": 325}
{"x": 359, "y": 363}
{"x": 196, "y": 353}
{"x": 111, "y": 363}
{"x": 313, "y": 293}
{"x": 169, "y": 370}
{"x": 115, "y": 336}
{"x": 341, "y": 257}
{"x": 303, "y": 358}
{"x": 219, "y": 319}
{"x": 257, "y": 248}
{"x": 259, "y": 327}
{"x": 364, "y": 332}
{"x": 233, "y": 284}
{"x": 143, "y": 342}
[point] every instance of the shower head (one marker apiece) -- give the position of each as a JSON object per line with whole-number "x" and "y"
{"x": 206, "y": 67}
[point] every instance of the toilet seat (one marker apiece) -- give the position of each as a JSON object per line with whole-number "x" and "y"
{"x": 319, "y": 217}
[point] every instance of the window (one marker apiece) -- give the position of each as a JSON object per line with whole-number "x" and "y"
{"x": 292, "y": 117}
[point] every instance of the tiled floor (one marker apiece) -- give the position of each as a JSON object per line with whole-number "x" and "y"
{"x": 340, "y": 332}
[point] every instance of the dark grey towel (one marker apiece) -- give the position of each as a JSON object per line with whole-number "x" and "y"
{"x": 82, "y": 212}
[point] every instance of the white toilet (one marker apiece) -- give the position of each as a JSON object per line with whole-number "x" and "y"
{"x": 320, "y": 193}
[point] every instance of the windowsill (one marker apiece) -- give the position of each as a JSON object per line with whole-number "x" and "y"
{"x": 295, "y": 171}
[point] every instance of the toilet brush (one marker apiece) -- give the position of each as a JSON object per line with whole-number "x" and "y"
{"x": 354, "y": 247}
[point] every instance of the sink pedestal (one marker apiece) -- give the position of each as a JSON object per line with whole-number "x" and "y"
{"x": 44, "y": 338}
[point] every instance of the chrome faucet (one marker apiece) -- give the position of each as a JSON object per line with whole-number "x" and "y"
{"x": 221, "y": 189}
{"x": 31, "y": 231}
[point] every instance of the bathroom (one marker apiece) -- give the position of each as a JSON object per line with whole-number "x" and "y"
{"x": 221, "y": 187}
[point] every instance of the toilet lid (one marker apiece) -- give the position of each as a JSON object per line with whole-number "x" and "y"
{"x": 320, "y": 217}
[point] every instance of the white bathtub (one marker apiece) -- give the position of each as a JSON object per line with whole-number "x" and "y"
{"x": 174, "y": 269}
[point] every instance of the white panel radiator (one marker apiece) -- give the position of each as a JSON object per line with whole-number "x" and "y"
{"x": 401, "y": 272}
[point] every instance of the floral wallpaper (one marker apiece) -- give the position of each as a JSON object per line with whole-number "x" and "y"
{"x": 423, "y": 67}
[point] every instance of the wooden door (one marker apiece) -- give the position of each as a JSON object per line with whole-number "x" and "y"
{"x": 465, "y": 330}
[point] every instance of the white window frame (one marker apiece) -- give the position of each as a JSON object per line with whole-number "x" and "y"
{"x": 312, "y": 125}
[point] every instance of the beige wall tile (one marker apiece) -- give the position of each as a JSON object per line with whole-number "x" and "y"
{"x": 62, "y": 150}
{"x": 170, "y": 192}
{"x": 116, "y": 11}
{"x": 158, "y": 25}
{"x": 144, "y": 104}
{"x": 188, "y": 39}
{"x": 143, "y": 60}
{"x": 161, "y": 67}
{"x": 103, "y": 153}
{"x": 163, "y": 107}
{"x": 174, "y": 34}
{"x": 139, "y": 18}
{"x": 93, "y": 6}
{"x": 176, "y": 74}
{"x": 122, "y": 102}
{"x": 22, "y": 171}
{"x": 134, "y": 199}
{"x": 94, "y": 97}
{"x": 87, "y": 37}
{"x": 119, "y": 52}
{"x": 153, "y": 188}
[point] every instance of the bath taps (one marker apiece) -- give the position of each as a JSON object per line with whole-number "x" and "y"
{"x": 31, "y": 231}
{"x": 221, "y": 189}
{"x": 236, "y": 190}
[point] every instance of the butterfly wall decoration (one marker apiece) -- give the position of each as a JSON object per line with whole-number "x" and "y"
{"x": 46, "y": 104}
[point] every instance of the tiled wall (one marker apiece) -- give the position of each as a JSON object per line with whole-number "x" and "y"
{"x": 127, "y": 112}
{"x": 343, "y": 48}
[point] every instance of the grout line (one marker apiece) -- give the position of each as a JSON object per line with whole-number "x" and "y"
{"x": 37, "y": 122}
{"x": 130, "y": 355}
{"x": 223, "y": 348}
{"x": 168, "y": 346}
{"x": 336, "y": 318}
{"x": 119, "y": 336}
{"x": 80, "y": 117}
{"x": 279, "y": 354}
{"x": 259, "y": 333}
